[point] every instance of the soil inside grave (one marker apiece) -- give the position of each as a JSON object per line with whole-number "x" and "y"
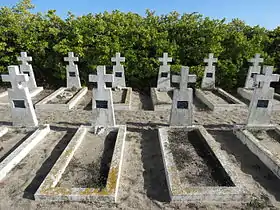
{"x": 196, "y": 163}
{"x": 64, "y": 97}
{"x": 119, "y": 96}
{"x": 217, "y": 97}
{"x": 91, "y": 162}
{"x": 12, "y": 139}
{"x": 269, "y": 139}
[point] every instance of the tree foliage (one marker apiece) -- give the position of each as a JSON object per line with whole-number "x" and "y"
{"x": 95, "y": 38}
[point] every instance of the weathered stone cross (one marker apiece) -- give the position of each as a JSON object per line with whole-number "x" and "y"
{"x": 264, "y": 80}
{"x": 165, "y": 59}
{"x": 101, "y": 77}
{"x": 211, "y": 60}
{"x": 184, "y": 78}
{"x": 71, "y": 58}
{"x": 24, "y": 58}
{"x": 256, "y": 60}
{"x": 118, "y": 59}
{"x": 15, "y": 78}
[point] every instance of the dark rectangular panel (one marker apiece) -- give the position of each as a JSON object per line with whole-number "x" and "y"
{"x": 72, "y": 74}
{"x": 182, "y": 105}
{"x": 210, "y": 75}
{"x": 27, "y": 72}
{"x": 19, "y": 104}
{"x": 262, "y": 103}
{"x": 253, "y": 74}
{"x": 118, "y": 74}
{"x": 101, "y": 104}
{"x": 164, "y": 74}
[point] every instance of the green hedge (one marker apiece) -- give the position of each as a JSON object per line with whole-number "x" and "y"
{"x": 95, "y": 38}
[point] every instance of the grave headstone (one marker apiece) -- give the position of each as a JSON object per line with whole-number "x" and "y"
{"x": 73, "y": 78}
{"x": 261, "y": 104}
{"x": 26, "y": 68}
{"x": 118, "y": 71}
{"x": 163, "y": 82}
{"x": 102, "y": 101}
{"x": 208, "y": 81}
{"x": 182, "y": 109}
{"x": 23, "y": 113}
{"x": 253, "y": 70}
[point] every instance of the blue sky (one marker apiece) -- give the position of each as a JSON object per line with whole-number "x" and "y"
{"x": 265, "y": 13}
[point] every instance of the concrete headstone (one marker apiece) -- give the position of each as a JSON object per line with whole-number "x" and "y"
{"x": 118, "y": 71}
{"x": 208, "y": 81}
{"x": 182, "y": 111}
{"x": 102, "y": 101}
{"x": 163, "y": 82}
{"x": 26, "y": 68}
{"x": 253, "y": 70}
{"x": 73, "y": 77}
{"x": 23, "y": 113}
{"x": 261, "y": 104}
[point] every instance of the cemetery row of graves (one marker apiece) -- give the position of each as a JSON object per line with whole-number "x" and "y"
{"x": 176, "y": 100}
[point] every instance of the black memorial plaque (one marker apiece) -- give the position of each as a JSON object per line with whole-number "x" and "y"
{"x": 101, "y": 104}
{"x": 27, "y": 72}
{"x": 182, "y": 105}
{"x": 210, "y": 75}
{"x": 19, "y": 104}
{"x": 262, "y": 103}
{"x": 72, "y": 74}
{"x": 164, "y": 74}
{"x": 253, "y": 74}
{"x": 118, "y": 74}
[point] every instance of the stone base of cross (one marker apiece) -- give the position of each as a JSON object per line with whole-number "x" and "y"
{"x": 22, "y": 110}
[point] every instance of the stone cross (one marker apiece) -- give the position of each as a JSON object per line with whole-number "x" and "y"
{"x": 102, "y": 101}
{"x": 163, "y": 83}
{"x": 182, "y": 109}
{"x": 118, "y": 71}
{"x": 26, "y": 68}
{"x": 184, "y": 78}
{"x": 23, "y": 113}
{"x": 208, "y": 81}
{"x": 261, "y": 105}
{"x": 253, "y": 70}
{"x": 72, "y": 72}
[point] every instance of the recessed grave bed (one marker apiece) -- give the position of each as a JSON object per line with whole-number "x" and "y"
{"x": 196, "y": 168}
{"x": 162, "y": 100}
{"x": 16, "y": 143}
{"x": 89, "y": 168}
{"x": 218, "y": 99}
{"x": 61, "y": 99}
{"x": 247, "y": 94}
{"x": 264, "y": 143}
{"x": 122, "y": 98}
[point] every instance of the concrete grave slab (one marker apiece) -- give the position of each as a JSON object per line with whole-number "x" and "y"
{"x": 26, "y": 68}
{"x": 102, "y": 100}
{"x": 219, "y": 100}
{"x": 229, "y": 189}
{"x": 72, "y": 72}
{"x": 122, "y": 98}
{"x": 118, "y": 71}
{"x": 162, "y": 100}
{"x": 263, "y": 141}
{"x": 22, "y": 110}
{"x": 62, "y": 99}
{"x": 9, "y": 159}
{"x": 53, "y": 188}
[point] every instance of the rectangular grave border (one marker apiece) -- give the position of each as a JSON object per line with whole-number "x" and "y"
{"x": 43, "y": 104}
{"x": 127, "y": 104}
{"x": 48, "y": 190}
{"x": 248, "y": 93}
{"x": 219, "y": 107}
{"x": 157, "y": 105}
{"x": 22, "y": 150}
{"x": 254, "y": 145}
{"x": 236, "y": 193}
